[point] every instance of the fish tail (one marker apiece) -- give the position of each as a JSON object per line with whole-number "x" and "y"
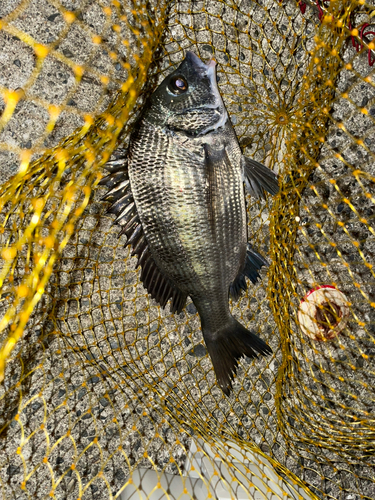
{"x": 227, "y": 346}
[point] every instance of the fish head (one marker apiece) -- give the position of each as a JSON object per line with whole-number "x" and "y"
{"x": 188, "y": 100}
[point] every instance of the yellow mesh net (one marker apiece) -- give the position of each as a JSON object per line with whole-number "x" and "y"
{"x": 104, "y": 394}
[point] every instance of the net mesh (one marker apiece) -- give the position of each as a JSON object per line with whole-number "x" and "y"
{"x": 100, "y": 384}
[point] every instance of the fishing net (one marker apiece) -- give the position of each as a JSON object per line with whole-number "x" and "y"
{"x": 105, "y": 394}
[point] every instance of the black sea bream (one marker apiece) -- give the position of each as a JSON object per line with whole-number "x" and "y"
{"x": 178, "y": 194}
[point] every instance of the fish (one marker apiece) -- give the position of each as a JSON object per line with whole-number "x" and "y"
{"x": 178, "y": 193}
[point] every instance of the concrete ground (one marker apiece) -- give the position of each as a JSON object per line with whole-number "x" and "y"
{"x": 114, "y": 381}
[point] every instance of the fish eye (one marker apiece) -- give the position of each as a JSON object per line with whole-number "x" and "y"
{"x": 178, "y": 85}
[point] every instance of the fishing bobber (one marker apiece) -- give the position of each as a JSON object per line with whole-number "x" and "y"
{"x": 323, "y": 313}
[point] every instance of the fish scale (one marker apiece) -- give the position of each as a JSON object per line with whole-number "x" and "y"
{"x": 185, "y": 215}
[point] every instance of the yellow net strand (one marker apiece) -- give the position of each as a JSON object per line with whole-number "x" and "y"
{"x": 317, "y": 93}
{"x": 82, "y": 148}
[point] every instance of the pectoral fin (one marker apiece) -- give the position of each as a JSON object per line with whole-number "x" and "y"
{"x": 259, "y": 178}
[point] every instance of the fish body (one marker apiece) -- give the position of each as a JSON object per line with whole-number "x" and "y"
{"x": 185, "y": 174}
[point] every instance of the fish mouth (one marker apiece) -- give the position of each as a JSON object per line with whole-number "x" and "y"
{"x": 208, "y": 68}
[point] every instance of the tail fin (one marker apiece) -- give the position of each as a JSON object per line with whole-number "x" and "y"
{"x": 228, "y": 346}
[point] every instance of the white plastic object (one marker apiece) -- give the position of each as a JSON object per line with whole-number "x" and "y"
{"x": 147, "y": 484}
{"x": 238, "y": 475}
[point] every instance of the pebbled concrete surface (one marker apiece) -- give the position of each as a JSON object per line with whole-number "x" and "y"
{"x": 119, "y": 365}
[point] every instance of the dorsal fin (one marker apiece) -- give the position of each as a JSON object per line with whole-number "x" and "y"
{"x": 252, "y": 265}
{"x": 123, "y": 206}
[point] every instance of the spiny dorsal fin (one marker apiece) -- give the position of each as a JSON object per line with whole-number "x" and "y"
{"x": 117, "y": 192}
{"x": 159, "y": 287}
{"x": 118, "y": 206}
{"x": 178, "y": 301}
{"x": 252, "y": 265}
{"x": 117, "y": 168}
{"x": 123, "y": 205}
{"x": 113, "y": 179}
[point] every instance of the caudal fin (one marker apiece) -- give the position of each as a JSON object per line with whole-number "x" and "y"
{"x": 228, "y": 346}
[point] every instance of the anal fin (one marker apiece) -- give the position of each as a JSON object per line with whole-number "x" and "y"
{"x": 253, "y": 264}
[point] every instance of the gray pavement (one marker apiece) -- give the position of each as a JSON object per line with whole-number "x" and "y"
{"x": 106, "y": 367}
